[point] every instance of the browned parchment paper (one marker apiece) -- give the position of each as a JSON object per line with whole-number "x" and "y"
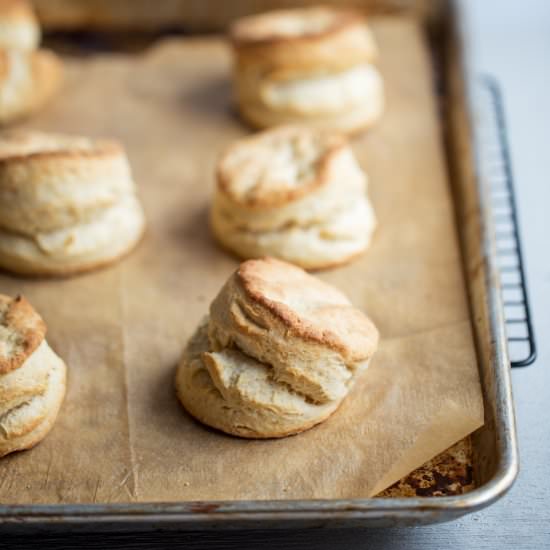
{"x": 121, "y": 434}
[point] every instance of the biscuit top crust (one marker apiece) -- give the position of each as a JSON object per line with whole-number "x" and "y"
{"x": 22, "y": 330}
{"x": 26, "y": 145}
{"x": 16, "y": 9}
{"x": 293, "y": 25}
{"x": 308, "y": 307}
{"x": 285, "y": 44}
{"x": 277, "y": 166}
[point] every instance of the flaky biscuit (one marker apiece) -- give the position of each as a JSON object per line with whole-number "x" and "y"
{"x": 27, "y": 424}
{"x": 277, "y": 355}
{"x": 311, "y": 66}
{"x": 28, "y": 80}
{"x": 269, "y": 309}
{"x": 32, "y": 377}
{"x": 293, "y": 193}
{"x": 51, "y": 181}
{"x": 19, "y": 27}
{"x": 67, "y": 204}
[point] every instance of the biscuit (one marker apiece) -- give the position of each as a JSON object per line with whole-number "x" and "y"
{"x": 278, "y": 353}
{"x": 29, "y": 77}
{"x": 293, "y": 193}
{"x": 32, "y": 377}
{"x": 67, "y": 204}
{"x": 19, "y": 27}
{"x": 28, "y": 80}
{"x": 310, "y": 65}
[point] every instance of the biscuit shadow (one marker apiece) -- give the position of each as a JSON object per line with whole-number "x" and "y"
{"x": 213, "y": 100}
{"x": 165, "y": 403}
{"x": 195, "y": 234}
{"x": 194, "y": 231}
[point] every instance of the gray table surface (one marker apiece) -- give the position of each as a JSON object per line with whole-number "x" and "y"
{"x": 511, "y": 39}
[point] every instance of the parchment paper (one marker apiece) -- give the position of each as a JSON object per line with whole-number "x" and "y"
{"x": 121, "y": 434}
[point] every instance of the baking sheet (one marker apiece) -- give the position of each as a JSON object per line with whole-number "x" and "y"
{"x": 121, "y": 435}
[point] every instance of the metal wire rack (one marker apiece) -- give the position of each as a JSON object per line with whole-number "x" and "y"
{"x": 497, "y": 172}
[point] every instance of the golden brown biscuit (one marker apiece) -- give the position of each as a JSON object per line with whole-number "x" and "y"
{"x": 67, "y": 204}
{"x": 28, "y": 77}
{"x": 277, "y": 355}
{"x": 293, "y": 193}
{"x": 310, "y": 65}
{"x": 19, "y": 27}
{"x": 32, "y": 377}
{"x": 28, "y": 80}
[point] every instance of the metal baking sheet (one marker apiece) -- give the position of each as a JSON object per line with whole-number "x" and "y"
{"x": 494, "y": 452}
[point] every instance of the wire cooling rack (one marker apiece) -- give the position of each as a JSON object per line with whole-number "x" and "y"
{"x": 497, "y": 172}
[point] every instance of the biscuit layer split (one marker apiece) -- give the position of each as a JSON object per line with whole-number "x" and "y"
{"x": 278, "y": 353}
{"x": 293, "y": 193}
{"x": 32, "y": 377}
